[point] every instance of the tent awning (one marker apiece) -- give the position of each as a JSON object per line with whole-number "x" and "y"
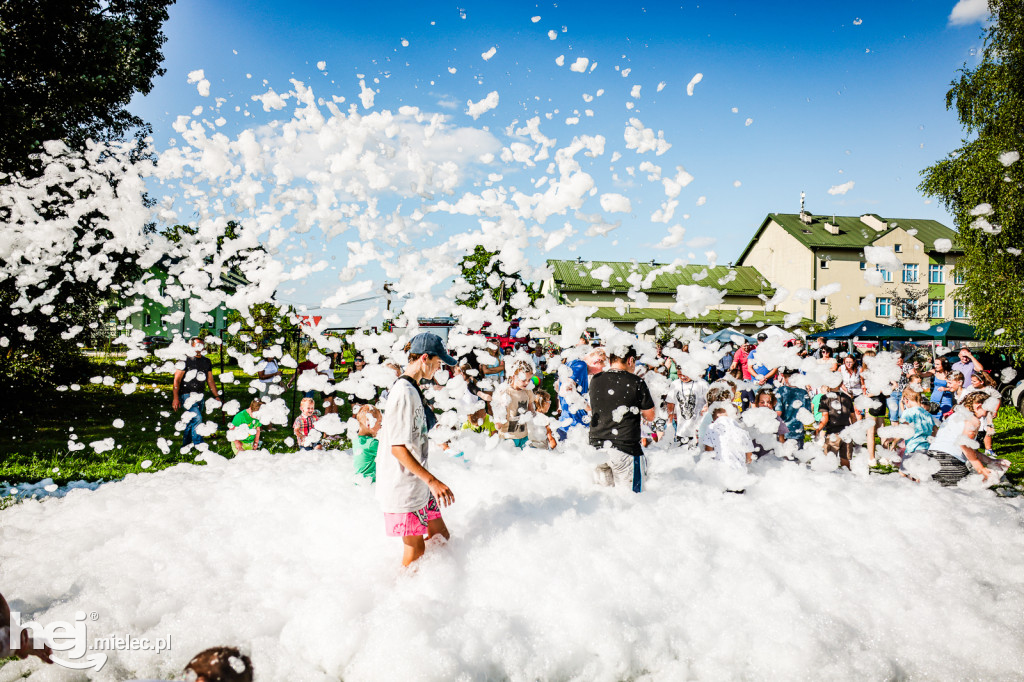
{"x": 871, "y": 330}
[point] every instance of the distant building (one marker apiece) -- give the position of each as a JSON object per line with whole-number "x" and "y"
{"x": 606, "y": 286}
{"x": 804, "y": 251}
{"x": 156, "y": 318}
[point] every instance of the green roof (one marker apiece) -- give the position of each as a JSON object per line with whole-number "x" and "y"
{"x": 665, "y": 316}
{"x": 853, "y": 233}
{"x": 570, "y": 275}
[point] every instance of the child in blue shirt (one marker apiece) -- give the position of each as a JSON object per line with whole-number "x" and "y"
{"x": 920, "y": 419}
{"x": 790, "y": 400}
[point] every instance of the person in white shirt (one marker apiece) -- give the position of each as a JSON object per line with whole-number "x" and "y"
{"x": 685, "y": 403}
{"x": 269, "y": 374}
{"x": 407, "y": 492}
{"x": 729, "y": 441}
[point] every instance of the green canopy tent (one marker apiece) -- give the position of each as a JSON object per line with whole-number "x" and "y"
{"x": 951, "y": 331}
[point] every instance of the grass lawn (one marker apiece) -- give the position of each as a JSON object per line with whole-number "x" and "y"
{"x": 34, "y": 441}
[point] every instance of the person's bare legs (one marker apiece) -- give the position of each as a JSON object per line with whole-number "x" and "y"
{"x": 872, "y": 430}
{"x": 437, "y": 527}
{"x": 415, "y": 545}
{"x": 413, "y": 548}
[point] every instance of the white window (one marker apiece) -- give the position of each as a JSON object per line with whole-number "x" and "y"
{"x": 863, "y": 265}
{"x": 958, "y": 278}
{"x": 886, "y": 275}
{"x": 910, "y": 273}
{"x": 935, "y": 307}
{"x": 936, "y": 275}
{"x": 960, "y": 310}
{"x": 883, "y": 307}
{"x": 898, "y": 248}
{"x": 824, "y": 263}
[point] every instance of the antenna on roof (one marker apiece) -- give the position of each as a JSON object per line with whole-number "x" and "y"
{"x": 805, "y": 217}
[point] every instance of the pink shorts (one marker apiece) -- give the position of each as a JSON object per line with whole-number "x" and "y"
{"x": 411, "y": 523}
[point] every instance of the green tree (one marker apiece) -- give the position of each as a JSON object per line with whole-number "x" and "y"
{"x": 263, "y": 325}
{"x": 487, "y": 280}
{"x": 68, "y": 69}
{"x": 981, "y": 182}
{"x": 909, "y": 306}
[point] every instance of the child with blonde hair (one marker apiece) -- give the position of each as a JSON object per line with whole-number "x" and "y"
{"x": 513, "y": 402}
{"x": 920, "y": 419}
{"x": 304, "y": 423}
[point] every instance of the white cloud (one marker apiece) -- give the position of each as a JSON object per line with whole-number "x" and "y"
{"x": 580, "y": 65}
{"x": 841, "y": 189}
{"x": 968, "y": 12}
{"x": 490, "y": 53}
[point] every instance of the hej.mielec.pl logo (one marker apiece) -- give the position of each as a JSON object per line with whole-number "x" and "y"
{"x": 70, "y": 642}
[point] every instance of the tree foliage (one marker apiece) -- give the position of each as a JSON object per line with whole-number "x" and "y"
{"x": 488, "y": 284}
{"x": 909, "y": 306}
{"x": 981, "y": 182}
{"x": 68, "y": 69}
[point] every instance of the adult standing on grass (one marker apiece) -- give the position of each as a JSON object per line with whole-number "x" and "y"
{"x": 188, "y": 391}
{"x": 619, "y": 399}
{"x": 408, "y": 493}
{"x": 968, "y": 365}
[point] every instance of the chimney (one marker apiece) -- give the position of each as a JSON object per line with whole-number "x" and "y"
{"x": 832, "y": 228}
{"x": 874, "y": 222}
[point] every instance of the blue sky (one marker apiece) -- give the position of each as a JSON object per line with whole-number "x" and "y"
{"x": 835, "y": 92}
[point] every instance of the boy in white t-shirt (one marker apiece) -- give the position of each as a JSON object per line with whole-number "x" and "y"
{"x": 408, "y": 493}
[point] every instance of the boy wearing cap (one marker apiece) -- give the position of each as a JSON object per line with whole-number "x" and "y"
{"x": 408, "y": 493}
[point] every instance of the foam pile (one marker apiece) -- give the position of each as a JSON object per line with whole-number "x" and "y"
{"x": 812, "y": 573}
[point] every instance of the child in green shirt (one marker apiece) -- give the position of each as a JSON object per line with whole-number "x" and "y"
{"x": 364, "y": 447}
{"x": 245, "y": 422}
{"x": 480, "y": 422}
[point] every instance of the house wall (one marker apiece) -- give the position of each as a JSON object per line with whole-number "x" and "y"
{"x": 784, "y": 262}
{"x": 844, "y": 267}
{"x": 657, "y": 300}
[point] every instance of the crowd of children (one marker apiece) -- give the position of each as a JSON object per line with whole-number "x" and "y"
{"x": 731, "y": 407}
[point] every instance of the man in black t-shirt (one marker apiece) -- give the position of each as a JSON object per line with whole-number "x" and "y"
{"x": 188, "y": 391}
{"x": 619, "y": 399}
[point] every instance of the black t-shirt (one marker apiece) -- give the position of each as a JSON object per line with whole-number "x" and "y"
{"x": 196, "y": 371}
{"x": 614, "y": 390}
{"x": 839, "y": 406}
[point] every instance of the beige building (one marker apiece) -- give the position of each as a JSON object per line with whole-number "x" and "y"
{"x": 804, "y": 253}
{"x": 606, "y": 285}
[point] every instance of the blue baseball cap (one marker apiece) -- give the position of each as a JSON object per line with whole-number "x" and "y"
{"x": 431, "y": 344}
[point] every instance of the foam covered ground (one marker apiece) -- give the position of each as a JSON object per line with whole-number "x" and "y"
{"x": 812, "y": 574}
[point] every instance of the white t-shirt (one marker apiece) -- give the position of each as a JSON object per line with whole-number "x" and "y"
{"x": 951, "y": 435}
{"x": 689, "y": 397}
{"x": 403, "y": 423}
{"x": 269, "y": 366}
{"x": 730, "y": 441}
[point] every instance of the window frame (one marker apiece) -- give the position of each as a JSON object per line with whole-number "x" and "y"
{"x": 939, "y": 273}
{"x": 886, "y": 302}
{"x": 936, "y": 304}
{"x": 907, "y": 269}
